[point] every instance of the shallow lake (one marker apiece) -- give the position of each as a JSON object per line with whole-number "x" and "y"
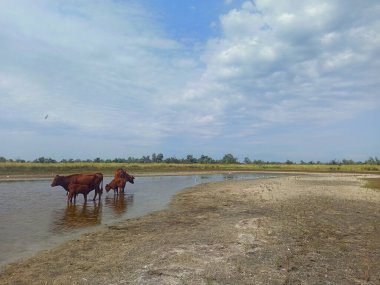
{"x": 35, "y": 216}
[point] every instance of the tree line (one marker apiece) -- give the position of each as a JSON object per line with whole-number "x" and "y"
{"x": 203, "y": 159}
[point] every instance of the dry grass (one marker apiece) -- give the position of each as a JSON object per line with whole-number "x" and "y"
{"x": 373, "y": 183}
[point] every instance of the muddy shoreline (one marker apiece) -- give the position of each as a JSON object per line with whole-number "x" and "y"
{"x": 299, "y": 229}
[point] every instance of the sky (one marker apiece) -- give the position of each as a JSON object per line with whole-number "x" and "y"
{"x": 270, "y": 80}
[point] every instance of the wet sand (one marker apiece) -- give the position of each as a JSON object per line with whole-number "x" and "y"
{"x": 300, "y": 229}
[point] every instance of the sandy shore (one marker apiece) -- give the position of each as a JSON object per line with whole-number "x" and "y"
{"x": 300, "y": 229}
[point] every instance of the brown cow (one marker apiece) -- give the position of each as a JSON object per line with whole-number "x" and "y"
{"x": 121, "y": 173}
{"x": 75, "y": 189}
{"x": 94, "y": 181}
{"x": 117, "y": 184}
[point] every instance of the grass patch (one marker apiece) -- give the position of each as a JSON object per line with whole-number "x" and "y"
{"x": 64, "y": 168}
{"x": 373, "y": 183}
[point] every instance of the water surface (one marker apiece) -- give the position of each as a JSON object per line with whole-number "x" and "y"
{"x": 35, "y": 216}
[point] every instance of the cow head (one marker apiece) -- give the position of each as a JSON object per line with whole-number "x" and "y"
{"x": 130, "y": 179}
{"x": 108, "y": 188}
{"x": 56, "y": 181}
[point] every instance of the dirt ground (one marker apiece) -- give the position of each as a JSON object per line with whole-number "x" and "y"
{"x": 303, "y": 229}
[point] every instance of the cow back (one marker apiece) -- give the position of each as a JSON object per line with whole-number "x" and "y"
{"x": 91, "y": 180}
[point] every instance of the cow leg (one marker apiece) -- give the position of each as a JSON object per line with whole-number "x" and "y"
{"x": 69, "y": 198}
{"x": 85, "y": 197}
{"x": 96, "y": 193}
{"x": 100, "y": 193}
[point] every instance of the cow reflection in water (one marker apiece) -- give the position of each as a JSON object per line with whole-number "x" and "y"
{"x": 119, "y": 203}
{"x": 78, "y": 216}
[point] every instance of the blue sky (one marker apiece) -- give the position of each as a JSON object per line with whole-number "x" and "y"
{"x": 265, "y": 79}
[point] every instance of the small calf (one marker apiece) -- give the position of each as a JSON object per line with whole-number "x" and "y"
{"x": 75, "y": 189}
{"x": 117, "y": 184}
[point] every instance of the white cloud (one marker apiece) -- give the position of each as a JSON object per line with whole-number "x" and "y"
{"x": 285, "y": 59}
{"x": 248, "y": 5}
{"x": 110, "y": 67}
{"x": 286, "y": 18}
{"x": 88, "y": 64}
{"x": 329, "y": 38}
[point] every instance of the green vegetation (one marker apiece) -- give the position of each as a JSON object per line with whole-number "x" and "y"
{"x": 373, "y": 183}
{"x": 50, "y": 169}
{"x": 203, "y": 159}
{"x": 156, "y": 163}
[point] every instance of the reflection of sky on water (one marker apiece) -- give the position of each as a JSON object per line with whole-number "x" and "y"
{"x": 34, "y": 216}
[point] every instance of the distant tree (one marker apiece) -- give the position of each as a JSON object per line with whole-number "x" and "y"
{"x": 172, "y": 160}
{"x": 119, "y": 160}
{"x": 190, "y": 159}
{"x": 348, "y": 161}
{"x": 145, "y": 159}
{"x": 3, "y": 159}
{"x": 205, "y": 159}
{"x": 157, "y": 157}
{"x": 131, "y": 159}
{"x": 289, "y": 162}
{"x": 247, "y": 160}
{"x": 44, "y": 160}
{"x": 334, "y": 162}
{"x": 229, "y": 159}
{"x": 160, "y": 158}
{"x": 372, "y": 160}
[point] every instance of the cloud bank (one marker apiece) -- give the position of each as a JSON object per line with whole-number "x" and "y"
{"x": 115, "y": 82}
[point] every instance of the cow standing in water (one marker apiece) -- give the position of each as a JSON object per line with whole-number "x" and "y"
{"x": 120, "y": 175}
{"x": 75, "y": 189}
{"x": 93, "y": 181}
{"x": 117, "y": 184}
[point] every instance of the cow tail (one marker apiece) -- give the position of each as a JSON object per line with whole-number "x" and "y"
{"x": 101, "y": 186}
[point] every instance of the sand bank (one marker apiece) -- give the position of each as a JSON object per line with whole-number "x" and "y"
{"x": 301, "y": 229}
